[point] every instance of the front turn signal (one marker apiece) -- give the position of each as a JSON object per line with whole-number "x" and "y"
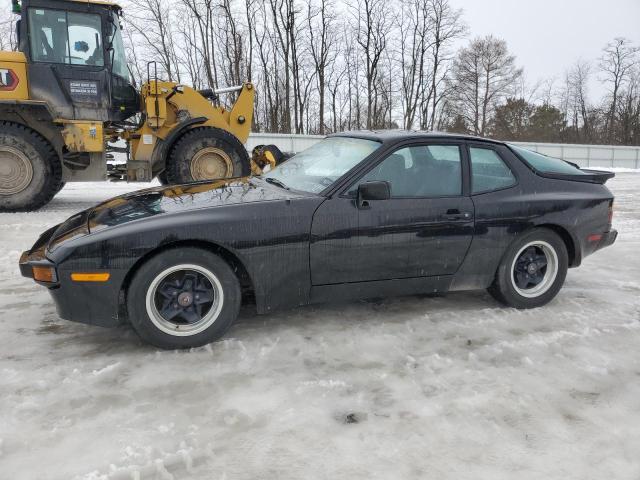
{"x": 90, "y": 277}
{"x": 44, "y": 274}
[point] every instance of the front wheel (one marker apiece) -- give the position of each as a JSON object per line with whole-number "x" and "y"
{"x": 183, "y": 298}
{"x": 532, "y": 271}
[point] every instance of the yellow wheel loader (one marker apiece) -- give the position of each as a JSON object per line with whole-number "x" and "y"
{"x": 66, "y": 103}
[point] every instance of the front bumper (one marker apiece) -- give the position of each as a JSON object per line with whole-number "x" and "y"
{"x": 90, "y": 303}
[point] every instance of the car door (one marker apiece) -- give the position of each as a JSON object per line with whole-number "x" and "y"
{"x": 423, "y": 230}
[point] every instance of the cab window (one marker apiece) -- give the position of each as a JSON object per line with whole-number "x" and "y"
{"x": 65, "y": 37}
{"x": 120, "y": 67}
{"x": 488, "y": 171}
{"x": 420, "y": 171}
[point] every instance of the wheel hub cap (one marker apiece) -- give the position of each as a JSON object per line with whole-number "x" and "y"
{"x": 211, "y": 163}
{"x": 16, "y": 171}
{"x": 184, "y": 300}
{"x": 534, "y": 269}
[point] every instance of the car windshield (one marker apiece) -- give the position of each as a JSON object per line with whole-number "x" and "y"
{"x": 317, "y": 167}
{"x": 545, "y": 164}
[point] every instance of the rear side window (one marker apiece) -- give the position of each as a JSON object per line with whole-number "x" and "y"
{"x": 545, "y": 164}
{"x": 488, "y": 171}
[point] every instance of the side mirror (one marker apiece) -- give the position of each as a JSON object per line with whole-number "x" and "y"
{"x": 372, "y": 191}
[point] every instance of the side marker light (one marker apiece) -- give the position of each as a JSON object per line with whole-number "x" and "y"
{"x": 90, "y": 277}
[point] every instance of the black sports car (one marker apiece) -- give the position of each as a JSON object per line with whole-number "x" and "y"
{"x": 360, "y": 214}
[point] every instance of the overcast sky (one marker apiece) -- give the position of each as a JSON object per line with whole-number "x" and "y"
{"x": 547, "y": 36}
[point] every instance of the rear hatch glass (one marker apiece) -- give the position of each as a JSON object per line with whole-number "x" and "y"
{"x": 560, "y": 169}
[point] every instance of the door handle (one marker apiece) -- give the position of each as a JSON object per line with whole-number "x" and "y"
{"x": 455, "y": 214}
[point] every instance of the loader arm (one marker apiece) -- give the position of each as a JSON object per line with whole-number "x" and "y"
{"x": 168, "y": 107}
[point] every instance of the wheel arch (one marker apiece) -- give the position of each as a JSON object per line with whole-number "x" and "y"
{"x": 35, "y": 116}
{"x": 246, "y": 282}
{"x": 572, "y": 244}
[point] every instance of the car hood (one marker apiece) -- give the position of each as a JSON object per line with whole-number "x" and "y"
{"x": 180, "y": 198}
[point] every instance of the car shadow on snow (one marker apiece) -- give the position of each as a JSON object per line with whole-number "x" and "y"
{"x": 94, "y": 340}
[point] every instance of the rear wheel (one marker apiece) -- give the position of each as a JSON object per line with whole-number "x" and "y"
{"x": 207, "y": 154}
{"x": 532, "y": 271}
{"x": 30, "y": 170}
{"x": 183, "y": 298}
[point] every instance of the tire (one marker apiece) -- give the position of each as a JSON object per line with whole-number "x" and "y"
{"x": 207, "y": 153}
{"x": 522, "y": 281}
{"x": 159, "y": 279}
{"x": 162, "y": 178}
{"x": 30, "y": 170}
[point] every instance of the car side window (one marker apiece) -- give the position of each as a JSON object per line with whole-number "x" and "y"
{"x": 419, "y": 171}
{"x": 488, "y": 171}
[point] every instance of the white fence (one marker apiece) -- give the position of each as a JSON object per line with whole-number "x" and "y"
{"x": 285, "y": 142}
{"x": 583, "y": 155}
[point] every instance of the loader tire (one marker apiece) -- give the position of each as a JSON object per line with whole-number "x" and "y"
{"x": 162, "y": 178}
{"x": 30, "y": 169}
{"x": 207, "y": 153}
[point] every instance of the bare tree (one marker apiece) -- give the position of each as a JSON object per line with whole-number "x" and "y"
{"x": 414, "y": 24}
{"x": 8, "y": 37}
{"x": 321, "y": 20}
{"x": 152, "y": 21}
{"x": 191, "y": 60}
{"x": 575, "y": 100}
{"x": 372, "y": 22}
{"x": 484, "y": 73}
{"x": 203, "y": 13}
{"x": 447, "y": 26}
{"x": 628, "y": 115}
{"x": 229, "y": 35}
{"x": 616, "y": 63}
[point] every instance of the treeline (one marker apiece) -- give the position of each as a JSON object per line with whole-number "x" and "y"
{"x": 325, "y": 65}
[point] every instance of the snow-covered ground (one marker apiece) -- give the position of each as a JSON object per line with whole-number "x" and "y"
{"x": 444, "y": 388}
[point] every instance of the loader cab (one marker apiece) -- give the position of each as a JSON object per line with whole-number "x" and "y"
{"x": 76, "y": 59}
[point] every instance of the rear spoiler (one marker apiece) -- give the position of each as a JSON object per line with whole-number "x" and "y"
{"x": 589, "y": 176}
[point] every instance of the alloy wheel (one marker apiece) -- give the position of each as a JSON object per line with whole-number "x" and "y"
{"x": 184, "y": 300}
{"x": 534, "y": 269}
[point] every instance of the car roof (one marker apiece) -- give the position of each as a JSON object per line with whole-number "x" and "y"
{"x": 393, "y": 136}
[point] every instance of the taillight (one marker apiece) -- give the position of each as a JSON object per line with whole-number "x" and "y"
{"x": 611, "y": 213}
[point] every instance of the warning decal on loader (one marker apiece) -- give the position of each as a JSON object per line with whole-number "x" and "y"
{"x": 83, "y": 89}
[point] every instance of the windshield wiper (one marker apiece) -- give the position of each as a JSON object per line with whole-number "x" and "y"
{"x": 276, "y": 182}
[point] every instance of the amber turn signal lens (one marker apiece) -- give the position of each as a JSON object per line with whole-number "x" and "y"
{"x": 44, "y": 274}
{"x": 90, "y": 277}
